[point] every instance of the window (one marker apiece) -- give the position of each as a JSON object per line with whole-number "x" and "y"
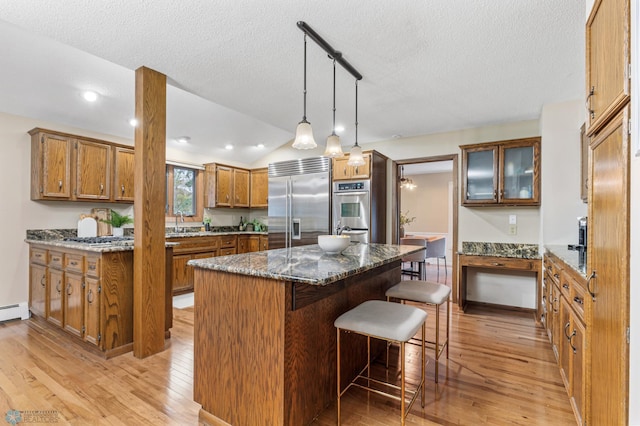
{"x": 184, "y": 193}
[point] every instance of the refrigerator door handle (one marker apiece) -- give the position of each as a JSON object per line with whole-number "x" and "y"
{"x": 295, "y": 229}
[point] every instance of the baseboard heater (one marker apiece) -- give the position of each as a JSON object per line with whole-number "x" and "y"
{"x": 9, "y": 312}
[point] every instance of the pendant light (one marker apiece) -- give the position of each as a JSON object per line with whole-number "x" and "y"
{"x": 406, "y": 182}
{"x": 334, "y": 148}
{"x": 355, "y": 155}
{"x": 304, "y": 134}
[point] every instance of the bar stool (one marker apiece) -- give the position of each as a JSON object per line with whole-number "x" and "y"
{"x": 431, "y": 294}
{"x": 392, "y": 322}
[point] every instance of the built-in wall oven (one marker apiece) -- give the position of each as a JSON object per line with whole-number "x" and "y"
{"x": 352, "y": 209}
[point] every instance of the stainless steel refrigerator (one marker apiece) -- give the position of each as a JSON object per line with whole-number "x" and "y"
{"x": 299, "y": 201}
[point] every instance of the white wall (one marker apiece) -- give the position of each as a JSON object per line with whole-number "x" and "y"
{"x": 427, "y": 203}
{"x": 561, "y": 203}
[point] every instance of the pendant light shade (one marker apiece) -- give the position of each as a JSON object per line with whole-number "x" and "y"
{"x": 355, "y": 155}
{"x": 304, "y": 134}
{"x": 334, "y": 147}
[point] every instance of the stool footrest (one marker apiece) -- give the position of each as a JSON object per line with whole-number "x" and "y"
{"x": 412, "y": 393}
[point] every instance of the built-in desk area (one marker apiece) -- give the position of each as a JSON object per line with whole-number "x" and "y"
{"x": 503, "y": 256}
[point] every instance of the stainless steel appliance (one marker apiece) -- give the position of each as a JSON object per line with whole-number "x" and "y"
{"x": 299, "y": 201}
{"x": 352, "y": 209}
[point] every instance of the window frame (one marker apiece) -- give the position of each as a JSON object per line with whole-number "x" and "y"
{"x": 198, "y": 190}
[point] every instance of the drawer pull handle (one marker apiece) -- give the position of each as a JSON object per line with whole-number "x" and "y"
{"x": 588, "y": 103}
{"x": 42, "y": 281}
{"x": 591, "y": 292}
{"x": 578, "y": 300}
{"x": 55, "y": 259}
{"x": 74, "y": 263}
{"x": 90, "y": 296}
{"x": 92, "y": 267}
{"x": 60, "y": 185}
{"x": 497, "y": 264}
{"x": 101, "y": 188}
{"x": 556, "y": 276}
{"x": 122, "y": 189}
{"x": 565, "y": 285}
{"x": 553, "y": 304}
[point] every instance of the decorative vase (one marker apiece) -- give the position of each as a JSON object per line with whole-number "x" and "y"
{"x": 401, "y": 231}
{"x": 117, "y": 232}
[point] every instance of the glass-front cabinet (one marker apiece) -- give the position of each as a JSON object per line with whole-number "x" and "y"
{"x": 501, "y": 173}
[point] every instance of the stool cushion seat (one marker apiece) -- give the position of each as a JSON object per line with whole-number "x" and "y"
{"x": 384, "y": 320}
{"x": 420, "y": 291}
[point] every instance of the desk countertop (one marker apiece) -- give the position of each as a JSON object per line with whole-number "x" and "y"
{"x": 515, "y": 250}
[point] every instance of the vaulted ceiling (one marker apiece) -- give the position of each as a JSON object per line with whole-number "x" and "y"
{"x": 235, "y": 67}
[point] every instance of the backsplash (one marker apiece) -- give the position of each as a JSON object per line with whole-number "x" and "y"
{"x": 524, "y": 251}
{"x": 61, "y": 234}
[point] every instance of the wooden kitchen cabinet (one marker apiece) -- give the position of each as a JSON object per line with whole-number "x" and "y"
{"x": 56, "y": 286}
{"x": 93, "y": 170}
{"x": 264, "y": 242}
{"x": 73, "y": 306}
{"x": 74, "y": 168}
{"x": 241, "y": 189}
{"x": 608, "y": 61}
{"x": 343, "y": 171}
{"x": 226, "y": 186}
{"x": 243, "y": 244}
{"x": 259, "y": 188}
{"x": 124, "y": 166}
{"x": 501, "y": 173}
{"x": 182, "y": 274}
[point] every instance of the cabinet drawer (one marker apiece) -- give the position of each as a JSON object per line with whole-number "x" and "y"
{"x": 565, "y": 285}
{"x": 38, "y": 256}
{"x": 55, "y": 259}
{"x": 578, "y": 300}
{"x": 552, "y": 269}
{"x": 227, "y": 241}
{"x": 226, "y": 251}
{"x": 93, "y": 266}
{"x": 195, "y": 244}
{"x": 499, "y": 262}
{"x": 74, "y": 263}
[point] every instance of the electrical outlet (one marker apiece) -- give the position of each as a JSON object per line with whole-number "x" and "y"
{"x": 513, "y": 219}
{"x": 513, "y": 229}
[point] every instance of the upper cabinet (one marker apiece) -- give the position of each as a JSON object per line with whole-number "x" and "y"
{"x": 259, "y": 188}
{"x": 501, "y": 173}
{"x": 608, "y": 63}
{"x": 343, "y": 171}
{"x": 226, "y": 186}
{"x": 74, "y": 168}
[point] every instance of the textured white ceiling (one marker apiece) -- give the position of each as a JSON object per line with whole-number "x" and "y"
{"x": 428, "y": 66}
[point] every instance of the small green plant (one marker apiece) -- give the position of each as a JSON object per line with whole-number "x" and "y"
{"x": 117, "y": 219}
{"x": 207, "y": 221}
{"x": 405, "y": 219}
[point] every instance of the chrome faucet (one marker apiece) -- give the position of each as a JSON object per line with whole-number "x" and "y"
{"x": 176, "y": 229}
{"x": 340, "y": 229}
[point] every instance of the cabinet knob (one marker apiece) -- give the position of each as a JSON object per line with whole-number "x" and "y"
{"x": 227, "y": 197}
{"x": 69, "y": 289}
{"x": 101, "y": 188}
{"x": 60, "y": 184}
{"x": 122, "y": 189}
{"x": 43, "y": 281}
{"x": 58, "y": 286}
{"x": 90, "y": 296}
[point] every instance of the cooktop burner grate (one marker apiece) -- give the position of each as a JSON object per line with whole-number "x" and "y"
{"x": 98, "y": 240}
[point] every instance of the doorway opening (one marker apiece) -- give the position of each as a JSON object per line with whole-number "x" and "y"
{"x": 425, "y": 194}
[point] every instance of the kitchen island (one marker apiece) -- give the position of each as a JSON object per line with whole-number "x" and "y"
{"x": 264, "y": 340}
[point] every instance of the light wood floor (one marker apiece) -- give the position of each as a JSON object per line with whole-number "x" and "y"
{"x": 501, "y": 371}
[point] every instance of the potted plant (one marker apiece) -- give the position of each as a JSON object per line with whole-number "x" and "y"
{"x": 117, "y": 220}
{"x": 405, "y": 220}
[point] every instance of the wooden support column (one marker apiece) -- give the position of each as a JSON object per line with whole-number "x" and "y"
{"x": 149, "y": 244}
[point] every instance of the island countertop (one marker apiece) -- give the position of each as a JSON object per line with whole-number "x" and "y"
{"x": 308, "y": 264}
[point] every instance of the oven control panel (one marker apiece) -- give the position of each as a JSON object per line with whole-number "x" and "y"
{"x": 351, "y": 186}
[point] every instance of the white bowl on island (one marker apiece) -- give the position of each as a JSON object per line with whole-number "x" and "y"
{"x": 333, "y": 244}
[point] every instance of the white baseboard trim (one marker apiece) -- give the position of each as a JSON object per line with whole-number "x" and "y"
{"x": 19, "y": 310}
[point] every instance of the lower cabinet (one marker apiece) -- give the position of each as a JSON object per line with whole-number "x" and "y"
{"x": 566, "y": 327}
{"x": 38, "y": 289}
{"x": 73, "y": 307}
{"x": 54, "y": 308}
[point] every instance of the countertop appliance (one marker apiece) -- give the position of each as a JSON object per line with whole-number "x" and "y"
{"x": 299, "y": 201}
{"x": 352, "y": 209}
{"x": 581, "y": 247}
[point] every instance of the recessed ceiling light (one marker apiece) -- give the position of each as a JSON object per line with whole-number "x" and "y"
{"x": 183, "y": 139}
{"x": 339, "y": 129}
{"x": 228, "y": 146}
{"x": 90, "y": 96}
{"x": 260, "y": 145}
{"x": 396, "y": 136}
{"x": 133, "y": 122}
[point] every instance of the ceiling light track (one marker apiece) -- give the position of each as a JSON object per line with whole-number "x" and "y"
{"x": 333, "y": 54}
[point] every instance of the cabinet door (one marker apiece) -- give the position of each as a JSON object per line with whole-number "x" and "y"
{"x": 578, "y": 370}
{"x": 73, "y": 303}
{"x": 607, "y": 73}
{"x": 92, "y": 300}
{"x": 341, "y": 170}
{"x": 240, "y": 188}
{"x": 243, "y": 244}
{"x": 565, "y": 348}
{"x": 264, "y": 242}
{"x": 254, "y": 243}
{"x": 56, "y": 286}
{"x": 556, "y": 336}
{"x": 93, "y": 170}
{"x": 362, "y": 172}
{"x": 608, "y": 257}
{"x": 56, "y": 166}
{"x": 259, "y": 188}
{"x": 182, "y": 273}
{"x": 480, "y": 177}
{"x": 38, "y": 290}
{"x": 520, "y": 173}
{"x": 123, "y": 172}
{"x": 224, "y": 188}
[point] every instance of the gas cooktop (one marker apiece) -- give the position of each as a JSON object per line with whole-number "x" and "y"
{"x": 98, "y": 240}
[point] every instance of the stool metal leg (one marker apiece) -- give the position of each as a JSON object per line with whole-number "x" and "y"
{"x": 422, "y": 360}
{"x": 448, "y": 322}
{"x": 402, "y": 401}
{"x": 437, "y": 339}
{"x": 338, "y": 385}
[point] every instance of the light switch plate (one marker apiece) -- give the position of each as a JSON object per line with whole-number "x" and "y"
{"x": 512, "y": 219}
{"x": 513, "y": 229}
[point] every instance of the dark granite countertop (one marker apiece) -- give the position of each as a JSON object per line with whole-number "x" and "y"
{"x": 210, "y": 233}
{"x": 514, "y": 250}
{"x": 308, "y": 264}
{"x": 571, "y": 257}
{"x": 99, "y": 248}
